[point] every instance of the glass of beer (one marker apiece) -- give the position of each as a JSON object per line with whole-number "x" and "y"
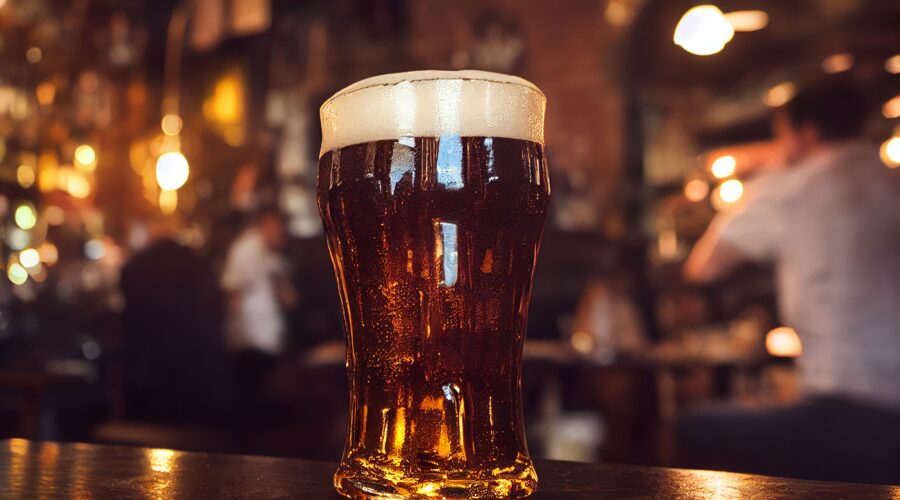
{"x": 433, "y": 187}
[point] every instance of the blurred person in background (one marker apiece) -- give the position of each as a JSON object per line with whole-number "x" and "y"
{"x": 257, "y": 281}
{"x": 829, "y": 221}
{"x": 175, "y": 367}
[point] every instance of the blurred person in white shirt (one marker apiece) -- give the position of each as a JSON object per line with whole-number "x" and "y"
{"x": 828, "y": 219}
{"x": 256, "y": 278}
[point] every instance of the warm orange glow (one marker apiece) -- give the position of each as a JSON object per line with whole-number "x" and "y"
{"x": 172, "y": 171}
{"x": 723, "y": 166}
{"x": 780, "y": 94}
{"x": 891, "y": 109}
{"x": 48, "y": 253}
{"x": 54, "y": 215}
{"x": 784, "y": 342}
{"x": 45, "y": 93}
{"x": 85, "y": 157}
{"x": 161, "y": 460}
{"x": 225, "y": 107}
{"x": 25, "y": 175}
{"x": 695, "y": 190}
{"x": 73, "y": 182}
{"x": 703, "y": 30}
{"x": 890, "y": 152}
{"x": 582, "y": 341}
{"x": 171, "y": 124}
{"x": 892, "y": 65}
{"x": 38, "y": 273}
{"x": 168, "y": 201}
{"x": 667, "y": 243}
{"x": 620, "y": 13}
{"x": 48, "y": 171}
{"x": 838, "y": 63}
{"x": 34, "y": 55}
{"x": 748, "y": 20}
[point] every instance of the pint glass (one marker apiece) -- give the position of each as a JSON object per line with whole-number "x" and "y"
{"x": 433, "y": 188}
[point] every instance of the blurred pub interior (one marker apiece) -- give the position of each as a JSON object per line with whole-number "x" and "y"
{"x": 127, "y": 123}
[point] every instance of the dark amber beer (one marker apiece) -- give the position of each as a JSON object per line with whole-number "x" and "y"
{"x": 433, "y": 189}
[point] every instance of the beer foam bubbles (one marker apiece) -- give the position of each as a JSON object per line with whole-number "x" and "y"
{"x": 431, "y": 104}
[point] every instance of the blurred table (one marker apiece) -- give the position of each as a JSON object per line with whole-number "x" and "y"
{"x": 27, "y": 390}
{"x": 30, "y": 469}
{"x": 738, "y": 369}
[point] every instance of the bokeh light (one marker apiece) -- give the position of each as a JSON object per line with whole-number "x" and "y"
{"x": 891, "y": 109}
{"x": 29, "y": 257}
{"x": 723, "y": 166}
{"x": 17, "y": 274}
{"x": 17, "y": 239}
{"x": 168, "y": 202}
{"x": 695, "y": 190}
{"x": 780, "y": 94}
{"x": 85, "y": 157}
{"x": 890, "y": 152}
{"x": 582, "y": 341}
{"x": 838, "y": 63}
{"x": 892, "y": 65}
{"x": 34, "y": 55}
{"x": 748, "y": 20}
{"x": 48, "y": 253}
{"x": 703, "y": 30}
{"x": 731, "y": 190}
{"x": 91, "y": 350}
{"x": 45, "y": 93}
{"x": 172, "y": 171}
{"x": 25, "y": 175}
{"x": 94, "y": 249}
{"x": 783, "y": 342}
{"x": 171, "y": 124}
{"x": 54, "y": 215}
{"x": 24, "y": 216}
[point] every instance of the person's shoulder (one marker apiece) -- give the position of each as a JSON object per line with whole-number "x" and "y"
{"x": 249, "y": 242}
{"x": 774, "y": 184}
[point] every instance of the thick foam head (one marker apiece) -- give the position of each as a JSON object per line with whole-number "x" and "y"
{"x": 432, "y": 104}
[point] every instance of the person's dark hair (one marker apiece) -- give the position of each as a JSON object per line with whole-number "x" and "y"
{"x": 269, "y": 211}
{"x": 837, "y": 109}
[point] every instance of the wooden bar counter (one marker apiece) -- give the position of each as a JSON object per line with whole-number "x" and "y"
{"x": 31, "y": 469}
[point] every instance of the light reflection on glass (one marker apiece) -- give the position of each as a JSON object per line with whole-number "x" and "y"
{"x": 449, "y": 162}
{"x": 446, "y": 252}
{"x": 402, "y": 163}
{"x": 489, "y": 147}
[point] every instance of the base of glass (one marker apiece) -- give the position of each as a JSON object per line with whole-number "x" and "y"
{"x": 517, "y": 481}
